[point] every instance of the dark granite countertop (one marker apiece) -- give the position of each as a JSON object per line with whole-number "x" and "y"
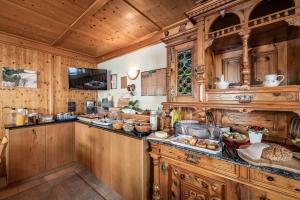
{"x": 133, "y": 134}
{"x": 226, "y": 157}
{"x": 14, "y": 126}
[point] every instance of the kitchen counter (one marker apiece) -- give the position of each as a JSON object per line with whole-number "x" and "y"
{"x": 133, "y": 134}
{"x": 225, "y": 157}
{"x": 14, "y": 126}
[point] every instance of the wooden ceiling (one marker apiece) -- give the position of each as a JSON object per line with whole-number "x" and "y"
{"x": 96, "y": 28}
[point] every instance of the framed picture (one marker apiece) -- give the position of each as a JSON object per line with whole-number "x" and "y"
{"x": 19, "y": 78}
{"x": 114, "y": 81}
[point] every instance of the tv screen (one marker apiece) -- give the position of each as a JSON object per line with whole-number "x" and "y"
{"x": 87, "y": 79}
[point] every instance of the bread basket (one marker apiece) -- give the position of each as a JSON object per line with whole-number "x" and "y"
{"x": 142, "y": 127}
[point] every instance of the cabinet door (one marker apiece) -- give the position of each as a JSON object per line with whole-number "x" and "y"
{"x": 126, "y": 166}
{"x": 249, "y": 193}
{"x": 100, "y": 155}
{"x": 184, "y": 80}
{"x": 186, "y": 185}
{"x": 26, "y": 153}
{"x": 59, "y": 145}
{"x": 83, "y": 142}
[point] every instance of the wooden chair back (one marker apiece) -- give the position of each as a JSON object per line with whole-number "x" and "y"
{"x": 3, "y": 145}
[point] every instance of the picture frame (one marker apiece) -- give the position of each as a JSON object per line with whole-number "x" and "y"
{"x": 114, "y": 81}
{"x": 19, "y": 77}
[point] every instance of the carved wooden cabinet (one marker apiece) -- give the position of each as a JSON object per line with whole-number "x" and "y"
{"x": 182, "y": 66}
{"x": 180, "y": 174}
{"x": 187, "y": 185}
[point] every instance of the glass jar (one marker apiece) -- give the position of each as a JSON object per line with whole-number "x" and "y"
{"x": 20, "y": 117}
{"x": 153, "y": 120}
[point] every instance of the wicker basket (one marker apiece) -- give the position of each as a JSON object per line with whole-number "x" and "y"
{"x": 143, "y": 127}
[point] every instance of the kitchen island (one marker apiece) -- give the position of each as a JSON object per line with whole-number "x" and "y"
{"x": 117, "y": 158}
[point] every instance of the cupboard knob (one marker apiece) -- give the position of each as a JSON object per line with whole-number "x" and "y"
{"x": 270, "y": 178}
{"x": 182, "y": 176}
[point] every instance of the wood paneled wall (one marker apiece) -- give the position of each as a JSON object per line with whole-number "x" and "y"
{"x": 52, "y": 93}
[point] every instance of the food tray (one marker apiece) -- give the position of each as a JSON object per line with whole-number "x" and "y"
{"x": 101, "y": 123}
{"x": 174, "y": 141}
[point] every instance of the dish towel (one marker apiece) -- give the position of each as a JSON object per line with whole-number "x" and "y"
{"x": 253, "y": 151}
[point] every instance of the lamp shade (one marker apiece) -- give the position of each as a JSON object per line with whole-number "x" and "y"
{"x": 133, "y": 74}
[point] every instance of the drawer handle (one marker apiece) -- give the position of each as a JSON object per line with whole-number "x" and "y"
{"x": 244, "y": 98}
{"x": 276, "y": 94}
{"x": 298, "y": 190}
{"x": 270, "y": 178}
{"x": 190, "y": 158}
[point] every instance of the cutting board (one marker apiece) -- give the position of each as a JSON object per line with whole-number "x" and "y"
{"x": 291, "y": 166}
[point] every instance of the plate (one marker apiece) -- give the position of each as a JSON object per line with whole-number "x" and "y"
{"x": 175, "y": 140}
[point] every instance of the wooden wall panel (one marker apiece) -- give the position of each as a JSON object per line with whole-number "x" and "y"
{"x": 52, "y": 93}
{"x": 62, "y": 94}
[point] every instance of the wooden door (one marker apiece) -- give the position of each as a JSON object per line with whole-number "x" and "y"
{"x": 100, "y": 155}
{"x": 59, "y": 145}
{"x": 26, "y": 153}
{"x": 184, "y": 74}
{"x": 83, "y": 141}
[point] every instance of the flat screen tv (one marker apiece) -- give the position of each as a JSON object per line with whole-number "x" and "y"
{"x": 87, "y": 79}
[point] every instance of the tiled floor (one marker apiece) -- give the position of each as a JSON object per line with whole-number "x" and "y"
{"x": 72, "y": 183}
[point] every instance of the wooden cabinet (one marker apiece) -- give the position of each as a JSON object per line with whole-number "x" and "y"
{"x": 101, "y": 155}
{"x": 130, "y": 167}
{"x": 179, "y": 174}
{"x": 83, "y": 142}
{"x": 182, "y": 66}
{"x": 251, "y": 193}
{"x": 187, "y": 185}
{"x": 34, "y": 150}
{"x": 59, "y": 145}
{"x": 120, "y": 162}
{"x": 26, "y": 153}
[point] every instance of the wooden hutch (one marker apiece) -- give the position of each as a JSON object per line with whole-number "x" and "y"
{"x": 244, "y": 40}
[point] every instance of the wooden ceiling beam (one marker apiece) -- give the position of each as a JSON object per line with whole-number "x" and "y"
{"x": 88, "y": 12}
{"x": 143, "y": 14}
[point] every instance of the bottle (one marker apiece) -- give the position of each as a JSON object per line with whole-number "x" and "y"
{"x": 153, "y": 120}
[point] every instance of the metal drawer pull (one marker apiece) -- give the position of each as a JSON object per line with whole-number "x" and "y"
{"x": 244, "y": 98}
{"x": 298, "y": 190}
{"x": 270, "y": 178}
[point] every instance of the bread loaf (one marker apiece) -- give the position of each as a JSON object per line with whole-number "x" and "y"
{"x": 276, "y": 152}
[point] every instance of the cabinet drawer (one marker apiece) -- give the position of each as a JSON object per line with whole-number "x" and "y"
{"x": 274, "y": 96}
{"x": 205, "y": 162}
{"x": 258, "y": 177}
{"x": 221, "y": 97}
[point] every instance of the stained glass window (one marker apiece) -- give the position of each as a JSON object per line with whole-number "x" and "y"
{"x": 184, "y": 73}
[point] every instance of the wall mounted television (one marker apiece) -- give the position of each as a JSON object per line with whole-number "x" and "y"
{"x": 87, "y": 79}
